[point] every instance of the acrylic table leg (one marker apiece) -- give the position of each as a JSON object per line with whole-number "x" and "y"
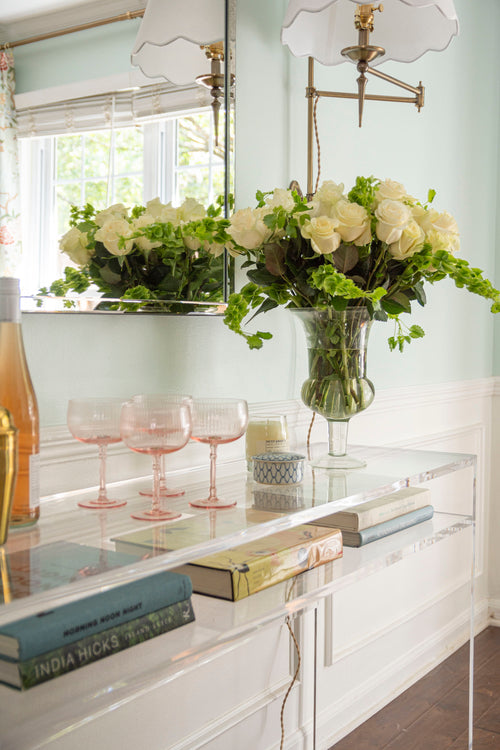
{"x": 471, "y": 637}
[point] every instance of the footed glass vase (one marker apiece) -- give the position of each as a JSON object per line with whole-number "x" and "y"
{"x": 337, "y": 387}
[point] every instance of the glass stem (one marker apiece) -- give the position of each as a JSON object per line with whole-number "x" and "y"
{"x": 155, "y": 505}
{"x": 102, "y": 473}
{"x": 337, "y": 437}
{"x": 213, "y": 458}
{"x": 163, "y": 484}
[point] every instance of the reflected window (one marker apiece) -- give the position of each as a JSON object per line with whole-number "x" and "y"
{"x": 171, "y": 157}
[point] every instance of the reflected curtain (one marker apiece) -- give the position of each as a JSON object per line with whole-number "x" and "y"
{"x": 10, "y": 225}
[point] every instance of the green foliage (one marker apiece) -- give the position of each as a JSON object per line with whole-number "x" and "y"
{"x": 364, "y": 191}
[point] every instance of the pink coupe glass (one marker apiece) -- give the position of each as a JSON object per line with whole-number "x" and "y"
{"x": 97, "y": 421}
{"x": 217, "y": 421}
{"x": 156, "y": 425}
{"x": 165, "y": 490}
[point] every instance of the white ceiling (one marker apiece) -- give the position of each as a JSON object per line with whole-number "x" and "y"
{"x": 15, "y": 11}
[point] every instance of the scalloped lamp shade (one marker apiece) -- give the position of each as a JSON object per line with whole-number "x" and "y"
{"x": 169, "y": 41}
{"x": 406, "y": 29}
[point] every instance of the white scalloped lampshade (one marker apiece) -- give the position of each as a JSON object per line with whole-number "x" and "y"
{"x": 170, "y": 36}
{"x": 406, "y": 28}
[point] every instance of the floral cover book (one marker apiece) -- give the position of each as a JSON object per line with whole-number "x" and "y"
{"x": 237, "y": 573}
{"x": 245, "y": 569}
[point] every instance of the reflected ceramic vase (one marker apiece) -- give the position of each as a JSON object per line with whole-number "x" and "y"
{"x": 337, "y": 387}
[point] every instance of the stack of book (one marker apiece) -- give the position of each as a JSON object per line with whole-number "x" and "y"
{"x": 50, "y": 643}
{"x": 386, "y": 515}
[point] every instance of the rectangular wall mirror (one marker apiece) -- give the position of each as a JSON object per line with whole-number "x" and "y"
{"x": 166, "y": 139}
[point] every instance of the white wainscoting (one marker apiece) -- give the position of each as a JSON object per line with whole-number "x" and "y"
{"x": 375, "y": 638}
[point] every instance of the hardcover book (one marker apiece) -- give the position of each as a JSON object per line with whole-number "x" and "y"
{"x": 381, "y": 530}
{"x": 381, "y": 509}
{"x": 236, "y": 573}
{"x": 30, "y": 672}
{"x": 63, "y": 562}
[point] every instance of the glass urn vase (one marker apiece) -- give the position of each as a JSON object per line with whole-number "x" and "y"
{"x": 337, "y": 387}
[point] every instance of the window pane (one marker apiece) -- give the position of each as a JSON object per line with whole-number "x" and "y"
{"x": 193, "y": 184}
{"x": 69, "y": 157}
{"x": 128, "y": 190}
{"x": 193, "y": 138}
{"x": 66, "y": 195}
{"x": 129, "y": 150}
{"x": 97, "y": 154}
{"x": 95, "y": 193}
{"x": 218, "y": 181}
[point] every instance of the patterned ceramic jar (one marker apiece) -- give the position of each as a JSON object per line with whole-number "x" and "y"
{"x": 278, "y": 468}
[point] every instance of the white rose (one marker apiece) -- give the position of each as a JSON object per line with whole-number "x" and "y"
{"x": 321, "y": 231}
{"x": 192, "y": 243}
{"x": 165, "y": 213}
{"x": 142, "y": 242}
{"x": 411, "y": 241}
{"x": 248, "y": 229}
{"x": 391, "y": 190}
{"x": 392, "y": 217}
{"x": 448, "y": 241}
{"x": 74, "y": 245}
{"x": 117, "y": 211}
{"x": 424, "y": 216}
{"x": 154, "y": 208}
{"x": 214, "y": 248}
{"x": 191, "y": 210}
{"x": 326, "y": 198}
{"x": 110, "y": 235}
{"x": 353, "y": 223}
{"x": 440, "y": 228}
{"x": 444, "y": 222}
{"x": 280, "y": 197}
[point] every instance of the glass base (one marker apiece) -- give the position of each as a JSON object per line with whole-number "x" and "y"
{"x": 213, "y": 503}
{"x": 155, "y": 515}
{"x": 329, "y": 461}
{"x": 102, "y": 504}
{"x": 166, "y": 492}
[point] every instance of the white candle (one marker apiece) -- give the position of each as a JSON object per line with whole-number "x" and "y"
{"x": 266, "y": 435}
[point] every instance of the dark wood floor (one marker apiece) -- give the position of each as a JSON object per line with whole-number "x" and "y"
{"x": 433, "y": 713}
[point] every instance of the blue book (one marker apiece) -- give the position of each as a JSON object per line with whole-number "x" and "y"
{"x": 52, "y": 565}
{"x": 380, "y": 530}
{"x": 30, "y": 672}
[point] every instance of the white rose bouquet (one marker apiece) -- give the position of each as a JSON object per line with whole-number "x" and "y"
{"x": 373, "y": 247}
{"x": 156, "y": 252}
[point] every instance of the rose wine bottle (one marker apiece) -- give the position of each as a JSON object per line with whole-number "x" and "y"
{"x": 17, "y": 395}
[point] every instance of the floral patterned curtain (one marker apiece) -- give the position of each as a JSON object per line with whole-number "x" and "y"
{"x": 10, "y": 226}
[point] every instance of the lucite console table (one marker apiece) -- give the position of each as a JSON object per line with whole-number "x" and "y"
{"x": 33, "y": 719}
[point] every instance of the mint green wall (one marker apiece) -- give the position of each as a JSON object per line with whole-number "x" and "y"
{"x": 450, "y": 146}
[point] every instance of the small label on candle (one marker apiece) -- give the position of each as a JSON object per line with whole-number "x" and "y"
{"x": 267, "y": 435}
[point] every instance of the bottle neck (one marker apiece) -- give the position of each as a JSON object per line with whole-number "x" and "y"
{"x": 9, "y": 308}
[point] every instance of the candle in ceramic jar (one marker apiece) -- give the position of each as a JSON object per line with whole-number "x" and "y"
{"x": 266, "y": 435}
